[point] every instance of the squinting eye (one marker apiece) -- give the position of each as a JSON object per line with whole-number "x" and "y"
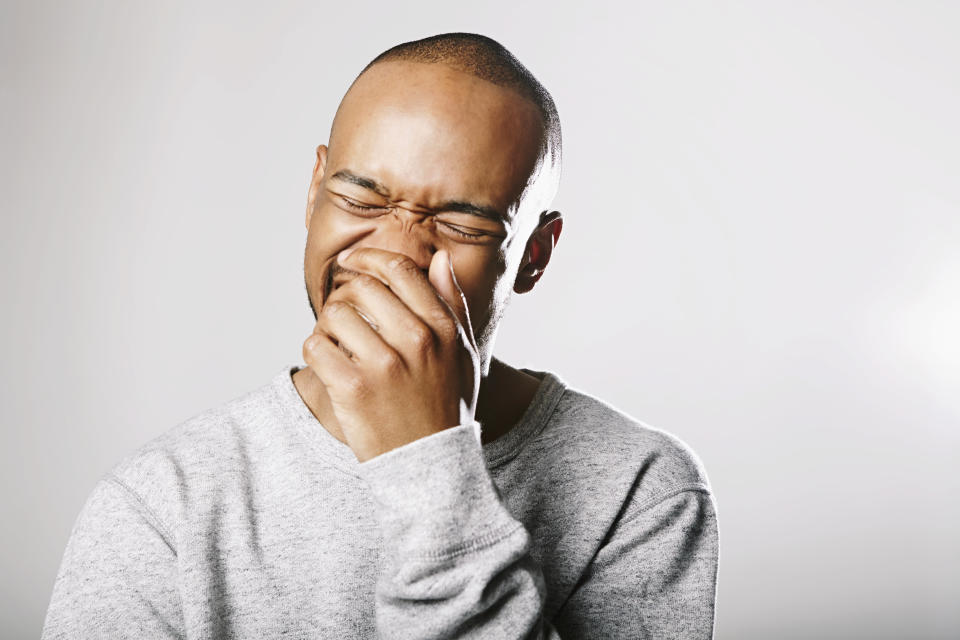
{"x": 356, "y": 206}
{"x": 364, "y": 208}
{"x": 461, "y": 232}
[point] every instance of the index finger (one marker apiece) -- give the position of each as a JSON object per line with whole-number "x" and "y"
{"x": 403, "y": 276}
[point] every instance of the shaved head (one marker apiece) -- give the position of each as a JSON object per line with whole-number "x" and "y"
{"x": 488, "y": 60}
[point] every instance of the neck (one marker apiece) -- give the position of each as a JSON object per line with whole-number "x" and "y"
{"x": 505, "y": 393}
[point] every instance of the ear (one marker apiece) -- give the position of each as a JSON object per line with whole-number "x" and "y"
{"x": 539, "y": 249}
{"x": 318, "y": 169}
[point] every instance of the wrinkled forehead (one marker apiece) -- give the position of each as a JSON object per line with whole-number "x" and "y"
{"x": 430, "y": 130}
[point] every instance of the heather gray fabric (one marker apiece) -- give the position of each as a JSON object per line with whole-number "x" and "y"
{"x": 251, "y": 521}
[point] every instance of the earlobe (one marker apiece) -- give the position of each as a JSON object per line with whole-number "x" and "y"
{"x": 527, "y": 278}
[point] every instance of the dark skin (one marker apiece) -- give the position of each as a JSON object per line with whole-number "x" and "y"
{"x": 425, "y": 180}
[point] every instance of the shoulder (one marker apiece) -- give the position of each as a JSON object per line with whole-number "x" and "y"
{"x": 213, "y": 434}
{"x": 189, "y": 461}
{"x": 603, "y": 441}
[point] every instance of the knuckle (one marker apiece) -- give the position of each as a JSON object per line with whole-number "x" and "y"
{"x": 334, "y": 309}
{"x": 354, "y": 385}
{"x": 402, "y": 264}
{"x": 390, "y": 361}
{"x": 421, "y": 338}
{"x": 446, "y": 327}
{"x": 365, "y": 281}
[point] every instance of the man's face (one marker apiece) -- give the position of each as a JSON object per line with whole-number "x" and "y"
{"x": 421, "y": 158}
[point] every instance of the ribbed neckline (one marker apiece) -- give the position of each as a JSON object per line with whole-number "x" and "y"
{"x": 496, "y": 453}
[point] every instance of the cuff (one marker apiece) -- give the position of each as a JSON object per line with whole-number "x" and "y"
{"x": 434, "y": 496}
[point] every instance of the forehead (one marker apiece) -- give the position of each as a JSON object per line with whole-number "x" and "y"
{"x": 430, "y": 132}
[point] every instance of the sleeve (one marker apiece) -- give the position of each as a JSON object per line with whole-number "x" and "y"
{"x": 117, "y": 578}
{"x": 654, "y": 577}
{"x": 456, "y": 562}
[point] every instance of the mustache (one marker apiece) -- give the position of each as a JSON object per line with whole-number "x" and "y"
{"x": 328, "y": 281}
{"x": 334, "y": 272}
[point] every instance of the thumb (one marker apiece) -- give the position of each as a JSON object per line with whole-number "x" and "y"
{"x": 442, "y": 277}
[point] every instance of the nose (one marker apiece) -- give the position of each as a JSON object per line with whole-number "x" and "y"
{"x": 407, "y": 232}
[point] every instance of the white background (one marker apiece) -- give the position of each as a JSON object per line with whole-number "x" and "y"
{"x": 760, "y": 255}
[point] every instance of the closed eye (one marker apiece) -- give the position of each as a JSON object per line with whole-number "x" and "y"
{"x": 356, "y": 206}
{"x": 460, "y": 232}
{"x": 456, "y": 230}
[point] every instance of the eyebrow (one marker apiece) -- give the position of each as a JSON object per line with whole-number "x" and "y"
{"x": 360, "y": 181}
{"x": 458, "y": 206}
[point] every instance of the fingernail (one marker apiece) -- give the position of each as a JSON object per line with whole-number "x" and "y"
{"x": 345, "y": 253}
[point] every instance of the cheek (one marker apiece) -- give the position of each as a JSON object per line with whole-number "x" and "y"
{"x": 320, "y": 245}
{"x": 332, "y": 230}
{"x": 478, "y": 274}
{"x": 329, "y": 224}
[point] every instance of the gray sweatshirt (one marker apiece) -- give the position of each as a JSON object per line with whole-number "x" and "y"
{"x": 251, "y": 521}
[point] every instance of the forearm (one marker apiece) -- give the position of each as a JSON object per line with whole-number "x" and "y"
{"x": 457, "y": 564}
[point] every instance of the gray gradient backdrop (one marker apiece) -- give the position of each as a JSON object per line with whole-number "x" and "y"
{"x": 760, "y": 255}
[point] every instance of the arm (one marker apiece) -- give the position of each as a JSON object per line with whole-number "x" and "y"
{"x": 117, "y": 578}
{"x": 654, "y": 577}
{"x": 457, "y": 564}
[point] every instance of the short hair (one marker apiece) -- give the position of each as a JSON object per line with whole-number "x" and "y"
{"x": 488, "y": 60}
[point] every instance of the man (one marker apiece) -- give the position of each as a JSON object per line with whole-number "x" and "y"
{"x": 406, "y": 483}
